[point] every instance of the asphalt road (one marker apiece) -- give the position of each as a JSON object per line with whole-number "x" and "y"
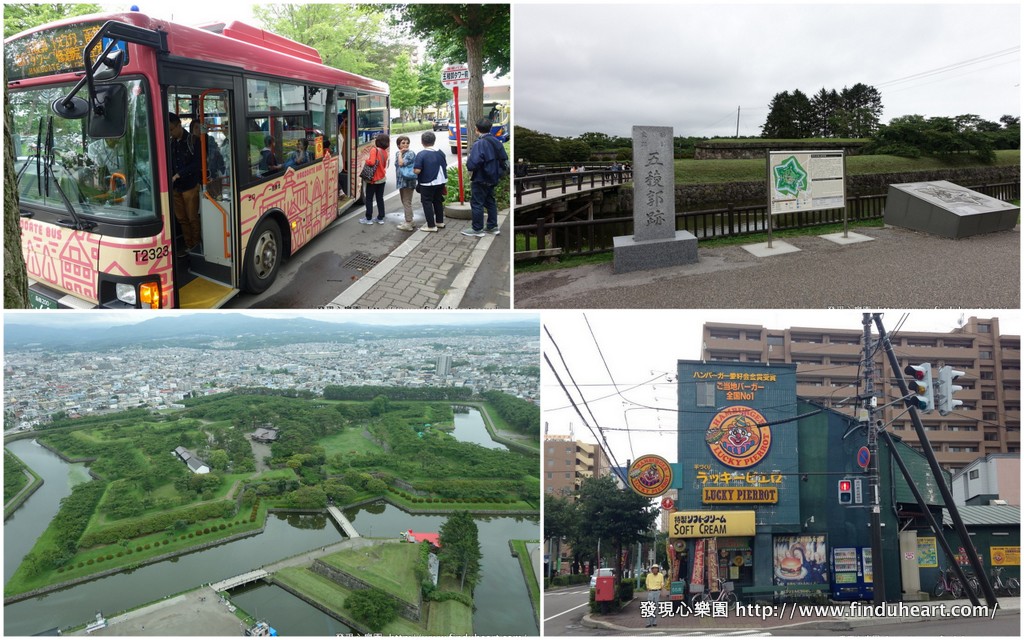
{"x": 325, "y": 267}
{"x": 564, "y": 610}
{"x": 897, "y": 269}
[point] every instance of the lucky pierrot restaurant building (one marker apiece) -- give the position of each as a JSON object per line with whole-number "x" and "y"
{"x": 758, "y": 483}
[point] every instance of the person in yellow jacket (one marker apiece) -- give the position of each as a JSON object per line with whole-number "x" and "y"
{"x": 655, "y": 584}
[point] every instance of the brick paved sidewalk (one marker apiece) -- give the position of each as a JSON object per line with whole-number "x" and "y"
{"x": 427, "y": 271}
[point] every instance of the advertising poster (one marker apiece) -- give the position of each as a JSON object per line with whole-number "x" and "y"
{"x": 698, "y": 563}
{"x": 800, "y": 559}
{"x": 1005, "y": 556}
{"x": 927, "y": 552}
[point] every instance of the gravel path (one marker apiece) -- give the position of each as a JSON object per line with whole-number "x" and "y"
{"x": 897, "y": 269}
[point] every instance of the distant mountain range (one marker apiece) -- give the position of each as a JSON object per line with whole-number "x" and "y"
{"x": 200, "y": 329}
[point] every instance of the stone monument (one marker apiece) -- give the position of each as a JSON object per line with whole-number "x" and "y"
{"x": 945, "y": 209}
{"x": 655, "y": 243}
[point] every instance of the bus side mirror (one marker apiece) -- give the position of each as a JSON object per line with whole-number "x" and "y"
{"x": 109, "y": 67}
{"x": 109, "y": 116}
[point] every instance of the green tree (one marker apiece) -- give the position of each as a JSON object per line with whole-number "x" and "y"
{"x": 21, "y": 16}
{"x": 405, "y": 89}
{"x": 432, "y": 92}
{"x": 561, "y": 522}
{"x": 613, "y": 517}
{"x": 372, "y": 607}
{"x": 218, "y": 460}
{"x": 478, "y": 34}
{"x": 355, "y": 38}
{"x": 460, "y": 548}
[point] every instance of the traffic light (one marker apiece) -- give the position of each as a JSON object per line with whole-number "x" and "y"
{"x": 922, "y": 396}
{"x": 947, "y": 375}
{"x": 845, "y": 491}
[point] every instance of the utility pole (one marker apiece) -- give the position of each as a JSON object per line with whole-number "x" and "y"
{"x": 867, "y": 413}
{"x": 737, "y": 122}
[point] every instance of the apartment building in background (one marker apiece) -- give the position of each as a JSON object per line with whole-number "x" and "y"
{"x": 567, "y": 461}
{"x": 829, "y": 372}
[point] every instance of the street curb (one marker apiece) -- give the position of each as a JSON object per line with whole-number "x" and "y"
{"x": 459, "y": 286}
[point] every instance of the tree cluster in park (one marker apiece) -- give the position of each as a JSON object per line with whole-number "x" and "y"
{"x": 600, "y": 512}
{"x": 521, "y": 415}
{"x": 460, "y": 549}
{"x": 153, "y": 523}
{"x": 536, "y": 147}
{"x": 14, "y": 476}
{"x": 372, "y": 607}
{"x": 853, "y": 112}
{"x": 68, "y": 525}
{"x": 967, "y": 136}
{"x": 368, "y": 393}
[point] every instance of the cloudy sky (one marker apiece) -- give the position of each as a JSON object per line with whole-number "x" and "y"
{"x": 640, "y": 349}
{"x": 606, "y": 67}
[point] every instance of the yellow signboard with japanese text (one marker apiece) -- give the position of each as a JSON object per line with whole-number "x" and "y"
{"x": 1005, "y": 556}
{"x": 711, "y": 524}
{"x": 740, "y": 495}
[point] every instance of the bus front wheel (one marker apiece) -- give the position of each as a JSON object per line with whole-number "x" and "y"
{"x": 263, "y": 257}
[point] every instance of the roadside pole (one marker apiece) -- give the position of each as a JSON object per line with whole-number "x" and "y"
{"x": 456, "y": 76}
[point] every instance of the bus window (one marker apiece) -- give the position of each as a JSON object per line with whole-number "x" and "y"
{"x": 103, "y": 179}
{"x": 372, "y": 117}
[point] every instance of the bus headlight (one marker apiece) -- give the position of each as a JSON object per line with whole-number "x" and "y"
{"x": 132, "y": 294}
{"x": 126, "y": 293}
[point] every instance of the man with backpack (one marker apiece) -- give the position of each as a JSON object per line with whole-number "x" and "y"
{"x": 489, "y": 164}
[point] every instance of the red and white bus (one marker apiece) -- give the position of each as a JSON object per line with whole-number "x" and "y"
{"x": 91, "y": 97}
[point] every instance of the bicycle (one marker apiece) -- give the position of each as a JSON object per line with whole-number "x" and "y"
{"x": 1011, "y": 585}
{"x": 948, "y": 582}
{"x": 724, "y": 593}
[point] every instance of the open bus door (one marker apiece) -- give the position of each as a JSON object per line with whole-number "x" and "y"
{"x": 348, "y": 178}
{"x": 209, "y": 275}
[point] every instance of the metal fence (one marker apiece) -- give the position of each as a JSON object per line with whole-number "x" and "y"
{"x": 586, "y": 237}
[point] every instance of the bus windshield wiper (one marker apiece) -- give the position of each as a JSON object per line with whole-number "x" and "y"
{"x": 76, "y": 222}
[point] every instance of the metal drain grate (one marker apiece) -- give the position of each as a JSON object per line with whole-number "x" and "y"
{"x": 362, "y": 262}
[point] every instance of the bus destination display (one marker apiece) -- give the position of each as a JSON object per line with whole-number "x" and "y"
{"x": 49, "y": 52}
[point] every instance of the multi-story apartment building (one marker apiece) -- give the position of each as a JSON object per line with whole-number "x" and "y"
{"x": 567, "y": 461}
{"x": 829, "y": 371}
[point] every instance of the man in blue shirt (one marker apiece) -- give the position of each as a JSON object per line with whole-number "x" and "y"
{"x": 487, "y": 160}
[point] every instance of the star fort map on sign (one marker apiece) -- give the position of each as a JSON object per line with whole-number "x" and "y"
{"x": 807, "y": 180}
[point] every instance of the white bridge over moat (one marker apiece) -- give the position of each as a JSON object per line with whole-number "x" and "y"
{"x": 237, "y": 581}
{"x": 260, "y": 574}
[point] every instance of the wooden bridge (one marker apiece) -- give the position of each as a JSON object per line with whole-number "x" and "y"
{"x": 342, "y": 521}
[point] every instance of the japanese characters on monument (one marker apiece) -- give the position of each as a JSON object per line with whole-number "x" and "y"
{"x": 654, "y": 213}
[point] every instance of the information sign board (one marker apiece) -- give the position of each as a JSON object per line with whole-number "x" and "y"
{"x": 805, "y": 180}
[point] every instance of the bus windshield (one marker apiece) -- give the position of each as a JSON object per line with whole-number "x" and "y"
{"x": 106, "y": 180}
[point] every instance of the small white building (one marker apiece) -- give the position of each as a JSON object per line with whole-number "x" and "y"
{"x": 995, "y": 476}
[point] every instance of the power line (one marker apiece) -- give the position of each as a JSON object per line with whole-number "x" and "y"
{"x": 950, "y": 67}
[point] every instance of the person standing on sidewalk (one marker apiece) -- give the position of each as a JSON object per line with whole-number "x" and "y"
{"x": 431, "y": 168}
{"x": 655, "y": 583}
{"x": 405, "y": 179}
{"x": 487, "y": 160}
{"x": 373, "y": 189}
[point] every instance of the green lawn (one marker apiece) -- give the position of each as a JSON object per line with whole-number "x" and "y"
{"x": 386, "y": 566}
{"x": 530, "y": 575}
{"x": 715, "y": 171}
{"x": 332, "y": 596}
{"x": 348, "y": 441}
{"x": 130, "y": 555}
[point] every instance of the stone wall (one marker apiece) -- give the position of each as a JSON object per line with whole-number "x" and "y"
{"x": 758, "y": 150}
{"x": 407, "y": 610}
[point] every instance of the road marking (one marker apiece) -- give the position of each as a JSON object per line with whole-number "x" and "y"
{"x": 585, "y": 604}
